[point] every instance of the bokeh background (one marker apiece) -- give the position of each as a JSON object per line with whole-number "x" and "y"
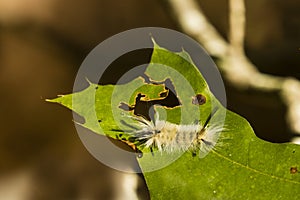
{"x": 42, "y": 44}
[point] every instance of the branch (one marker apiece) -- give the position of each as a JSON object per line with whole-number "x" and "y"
{"x": 191, "y": 19}
{"x": 237, "y": 21}
{"x": 235, "y": 66}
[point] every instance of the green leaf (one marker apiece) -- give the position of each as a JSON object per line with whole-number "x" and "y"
{"x": 240, "y": 166}
{"x": 99, "y": 105}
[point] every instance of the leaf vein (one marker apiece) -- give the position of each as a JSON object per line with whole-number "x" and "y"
{"x": 254, "y": 170}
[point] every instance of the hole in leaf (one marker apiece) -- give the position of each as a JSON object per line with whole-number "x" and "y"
{"x": 293, "y": 170}
{"x": 199, "y": 99}
{"x": 142, "y": 107}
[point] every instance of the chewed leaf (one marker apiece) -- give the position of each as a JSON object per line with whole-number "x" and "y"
{"x": 238, "y": 167}
{"x": 196, "y": 149}
{"x": 103, "y": 106}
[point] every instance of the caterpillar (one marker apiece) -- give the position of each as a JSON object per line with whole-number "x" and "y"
{"x": 169, "y": 137}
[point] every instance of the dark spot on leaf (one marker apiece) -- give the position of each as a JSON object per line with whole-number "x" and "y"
{"x": 199, "y": 99}
{"x": 293, "y": 170}
{"x": 294, "y": 151}
{"x": 96, "y": 87}
{"x": 194, "y": 153}
{"x": 139, "y": 154}
{"x": 99, "y": 120}
{"x": 120, "y": 135}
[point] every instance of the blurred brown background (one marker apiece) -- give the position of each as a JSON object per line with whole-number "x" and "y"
{"x": 42, "y": 44}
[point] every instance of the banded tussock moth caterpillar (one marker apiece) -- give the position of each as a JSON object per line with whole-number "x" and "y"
{"x": 169, "y": 137}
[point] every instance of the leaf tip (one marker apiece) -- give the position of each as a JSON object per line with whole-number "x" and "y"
{"x": 155, "y": 45}
{"x": 50, "y": 100}
{"x": 55, "y": 100}
{"x": 89, "y": 82}
{"x": 78, "y": 123}
{"x": 153, "y": 41}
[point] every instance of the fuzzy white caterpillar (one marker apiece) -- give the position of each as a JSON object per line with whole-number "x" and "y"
{"x": 169, "y": 137}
